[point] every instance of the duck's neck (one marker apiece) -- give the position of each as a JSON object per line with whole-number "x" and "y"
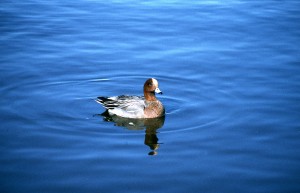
{"x": 149, "y": 96}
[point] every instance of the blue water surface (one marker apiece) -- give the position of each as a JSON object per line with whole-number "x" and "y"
{"x": 229, "y": 71}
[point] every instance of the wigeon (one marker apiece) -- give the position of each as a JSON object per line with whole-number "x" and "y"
{"x": 146, "y": 106}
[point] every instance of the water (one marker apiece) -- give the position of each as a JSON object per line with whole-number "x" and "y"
{"x": 229, "y": 71}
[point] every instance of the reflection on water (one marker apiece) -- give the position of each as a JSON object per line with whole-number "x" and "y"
{"x": 150, "y": 126}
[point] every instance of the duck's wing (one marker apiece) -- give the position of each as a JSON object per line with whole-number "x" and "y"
{"x": 124, "y": 106}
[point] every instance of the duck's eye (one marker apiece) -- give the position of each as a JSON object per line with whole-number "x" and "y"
{"x": 149, "y": 84}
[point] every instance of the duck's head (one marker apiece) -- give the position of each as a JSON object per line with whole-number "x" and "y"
{"x": 151, "y": 86}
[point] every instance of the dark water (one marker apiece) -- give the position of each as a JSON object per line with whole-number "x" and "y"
{"x": 229, "y": 71}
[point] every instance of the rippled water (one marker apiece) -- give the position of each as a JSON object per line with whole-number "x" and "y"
{"x": 229, "y": 71}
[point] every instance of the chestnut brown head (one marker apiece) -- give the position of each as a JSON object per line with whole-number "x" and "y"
{"x": 151, "y": 86}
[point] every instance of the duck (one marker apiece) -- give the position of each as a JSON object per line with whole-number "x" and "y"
{"x": 136, "y": 107}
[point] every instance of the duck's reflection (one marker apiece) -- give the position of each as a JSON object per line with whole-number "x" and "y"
{"x": 150, "y": 125}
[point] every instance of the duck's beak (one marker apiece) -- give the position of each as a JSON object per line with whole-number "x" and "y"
{"x": 158, "y": 91}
